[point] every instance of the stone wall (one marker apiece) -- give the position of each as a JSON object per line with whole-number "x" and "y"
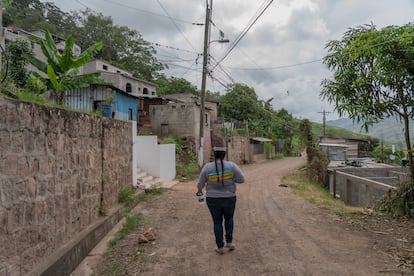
{"x": 58, "y": 169}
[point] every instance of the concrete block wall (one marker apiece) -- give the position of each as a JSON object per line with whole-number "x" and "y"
{"x": 238, "y": 149}
{"x": 181, "y": 119}
{"x": 356, "y": 190}
{"x": 57, "y": 169}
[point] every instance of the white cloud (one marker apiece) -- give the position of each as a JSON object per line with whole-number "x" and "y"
{"x": 290, "y": 32}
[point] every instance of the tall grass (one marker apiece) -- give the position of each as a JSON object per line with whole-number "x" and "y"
{"x": 316, "y": 194}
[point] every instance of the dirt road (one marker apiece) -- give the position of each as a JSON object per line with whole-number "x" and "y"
{"x": 276, "y": 233}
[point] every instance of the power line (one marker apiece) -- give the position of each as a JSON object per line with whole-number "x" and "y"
{"x": 146, "y": 11}
{"x": 171, "y": 47}
{"x": 83, "y": 4}
{"x": 224, "y": 71}
{"x": 245, "y": 31}
{"x": 276, "y": 67}
{"x": 184, "y": 67}
{"x": 175, "y": 24}
{"x": 190, "y": 68}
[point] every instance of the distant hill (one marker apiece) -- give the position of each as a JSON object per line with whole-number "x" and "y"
{"x": 389, "y": 130}
{"x": 338, "y": 132}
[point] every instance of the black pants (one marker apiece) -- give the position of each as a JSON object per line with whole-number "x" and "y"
{"x": 222, "y": 208}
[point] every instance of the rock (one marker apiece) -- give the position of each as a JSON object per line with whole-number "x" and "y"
{"x": 150, "y": 234}
{"x": 142, "y": 239}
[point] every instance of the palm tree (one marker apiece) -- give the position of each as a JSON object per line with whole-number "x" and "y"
{"x": 62, "y": 69}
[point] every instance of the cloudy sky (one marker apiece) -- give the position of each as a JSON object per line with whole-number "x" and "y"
{"x": 280, "y": 56}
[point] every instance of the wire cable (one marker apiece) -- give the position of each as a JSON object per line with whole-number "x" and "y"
{"x": 175, "y": 24}
{"x": 145, "y": 11}
{"x": 246, "y": 30}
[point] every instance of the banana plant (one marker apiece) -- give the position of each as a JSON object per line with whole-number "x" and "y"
{"x": 62, "y": 69}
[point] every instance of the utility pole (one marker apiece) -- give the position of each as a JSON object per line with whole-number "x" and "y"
{"x": 209, "y": 9}
{"x": 324, "y": 121}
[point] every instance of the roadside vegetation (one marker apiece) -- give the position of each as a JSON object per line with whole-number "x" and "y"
{"x": 373, "y": 77}
{"x": 314, "y": 193}
{"x": 130, "y": 198}
{"x": 132, "y": 223}
{"x": 185, "y": 158}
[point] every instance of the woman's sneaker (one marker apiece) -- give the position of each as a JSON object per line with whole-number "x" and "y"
{"x": 220, "y": 251}
{"x": 230, "y": 246}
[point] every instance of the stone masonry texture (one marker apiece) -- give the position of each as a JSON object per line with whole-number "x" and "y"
{"x": 58, "y": 169}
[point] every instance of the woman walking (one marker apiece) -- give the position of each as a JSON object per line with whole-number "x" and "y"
{"x": 220, "y": 178}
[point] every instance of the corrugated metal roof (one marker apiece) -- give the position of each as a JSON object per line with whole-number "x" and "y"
{"x": 333, "y": 145}
{"x": 261, "y": 139}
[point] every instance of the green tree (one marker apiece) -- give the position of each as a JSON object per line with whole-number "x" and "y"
{"x": 174, "y": 85}
{"x": 18, "y": 53}
{"x": 34, "y": 15}
{"x": 122, "y": 46}
{"x": 62, "y": 69}
{"x": 373, "y": 75}
{"x": 240, "y": 103}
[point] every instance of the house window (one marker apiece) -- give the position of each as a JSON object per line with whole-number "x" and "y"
{"x": 145, "y": 91}
{"x": 258, "y": 148}
{"x": 206, "y": 119}
{"x": 130, "y": 114}
{"x": 152, "y": 93}
{"x": 105, "y": 67}
{"x": 128, "y": 87}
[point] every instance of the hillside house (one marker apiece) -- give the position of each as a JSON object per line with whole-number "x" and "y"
{"x": 123, "y": 106}
{"x": 180, "y": 115}
{"x": 13, "y": 34}
{"x": 121, "y": 79}
{"x": 257, "y": 149}
{"x": 334, "y": 152}
{"x": 144, "y": 91}
{"x": 355, "y": 148}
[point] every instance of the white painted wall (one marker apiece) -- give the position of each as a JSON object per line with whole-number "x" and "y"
{"x": 148, "y": 155}
{"x": 167, "y": 161}
{"x": 154, "y": 159}
{"x": 134, "y": 154}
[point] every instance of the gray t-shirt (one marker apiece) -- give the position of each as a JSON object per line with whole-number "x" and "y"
{"x": 221, "y": 183}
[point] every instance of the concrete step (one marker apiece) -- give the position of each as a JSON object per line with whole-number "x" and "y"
{"x": 168, "y": 184}
{"x": 146, "y": 181}
{"x": 141, "y": 174}
{"x": 145, "y": 178}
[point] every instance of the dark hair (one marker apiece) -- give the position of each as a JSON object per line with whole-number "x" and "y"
{"x": 219, "y": 153}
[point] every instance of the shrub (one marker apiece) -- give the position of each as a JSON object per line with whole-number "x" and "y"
{"x": 126, "y": 196}
{"x": 398, "y": 202}
{"x": 317, "y": 165}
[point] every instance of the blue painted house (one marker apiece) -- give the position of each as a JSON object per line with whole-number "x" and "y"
{"x": 124, "y": 106}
